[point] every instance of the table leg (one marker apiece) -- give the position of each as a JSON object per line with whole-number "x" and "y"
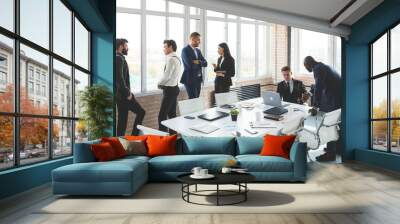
{"x": 245, "y": 193}
{"x": 217, "y": 194}
{"x": 196, "y": 187}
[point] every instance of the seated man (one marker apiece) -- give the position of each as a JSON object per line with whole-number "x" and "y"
{"x": 292, "y": 90}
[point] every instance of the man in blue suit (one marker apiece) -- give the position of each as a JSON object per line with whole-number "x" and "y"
{"x": 193, "y": 61}
{"x": 326, "y": 96}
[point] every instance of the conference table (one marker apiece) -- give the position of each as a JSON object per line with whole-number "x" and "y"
{"x": 247, "y": 115}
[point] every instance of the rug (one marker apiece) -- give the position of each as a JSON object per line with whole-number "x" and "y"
{"x": 166, "y": 198}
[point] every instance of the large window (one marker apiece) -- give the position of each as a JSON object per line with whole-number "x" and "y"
{"x": 385, "y": 96}
{"x": 323, "y": 47}
{"x": 146, "y": 23}
{"x": 40, "y": 80}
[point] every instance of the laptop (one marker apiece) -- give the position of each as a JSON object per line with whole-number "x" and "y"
{"x": 212, "y": 116}
{"x": 274, "y": 102}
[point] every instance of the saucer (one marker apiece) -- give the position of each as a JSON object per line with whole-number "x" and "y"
{"x": 208, "y": 176}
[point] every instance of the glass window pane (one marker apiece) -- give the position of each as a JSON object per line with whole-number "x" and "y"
{"x": 6, "y": 142}
{"x": 134, "y": 4}
{"x": 395, "y": 95}
{"x": 81, "y": 82}
{"x": 379, "y": 56}
{"x": 195, "y": 26}
{"x": 338, "y": 54}
{"x": 156, "y": 5}
{"x": 34, "y": 70}
{"x": 395, "y": 47}
{"x": 175, "y": 7}
{"x": 395, "y": 136}
{"x": 379, "y": 98}
{"x": 62, "y": 89}
{"x": 263, "y": 50}
{"x": 62, "y": 29}
{"x": 215, "y": 36}
{"x": 155, "y": 33}
{"x": 194, "y": 11}
{"x": 81, "y": 45}
{"x": 134, "y": 55}
{"x": 6, "y": 74}
{"x": 232, "y": 38}
{"x": 7, "y": 14}
{"x": 81, "y": 131}
{"x": 176, "y": 32}
{"x": 35, "y": 21}
{"x": 62, "y": 138}
{"x": 34, "y": 144}
{"x": 215, "y": 14}
{"x": 246, "y": 19}
{"x": 379, "y": 135}
{"x": 247, "y": 56}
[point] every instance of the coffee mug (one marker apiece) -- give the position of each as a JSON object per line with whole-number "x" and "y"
{"x": 196, "y": 171}
{"x": 203, "y": 172}
{"x": 226, "y": 170}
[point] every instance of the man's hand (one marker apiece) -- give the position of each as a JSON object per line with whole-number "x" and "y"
{"x": 160, "y": 86}
{"x": 305, "y": 97}
{"x": 130, "y": 96}
{"x": 196, "y": 62}
{"x": 220, "y": 74}
{"x": 214, "y": 65}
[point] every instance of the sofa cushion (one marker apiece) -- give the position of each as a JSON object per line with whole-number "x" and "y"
{"x": 103, "y": 152}
{"x": 185, "y": 163}
{"x": 116, "y": 145}
{"x": 257, "y": 163}
{"x": 208, "y": 145}
{"x": 112, "y": 171}
{"x": 161, "y": 145}
{"x": 83, "y": 152}
{"x": 249, "y": 145}
{"x": 277, "y": 145}
{"x": 134, "y": 147}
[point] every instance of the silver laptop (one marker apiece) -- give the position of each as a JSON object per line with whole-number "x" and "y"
{"x": 271, "y": 98}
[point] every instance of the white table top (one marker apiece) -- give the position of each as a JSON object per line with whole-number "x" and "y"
{"x": 227, "y": 127}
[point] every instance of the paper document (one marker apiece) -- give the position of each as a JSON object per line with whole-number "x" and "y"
{"x": 205, "y": 128}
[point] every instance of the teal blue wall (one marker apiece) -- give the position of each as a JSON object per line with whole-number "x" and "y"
{"x": 99, "y": 15}
{"x": 356, "y": 117}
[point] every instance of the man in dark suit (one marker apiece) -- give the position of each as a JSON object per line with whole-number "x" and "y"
{"x": 193, "y": 61}
{"x": 291, "y": 90}
{"x": 125, "y": 99}
{"x": 326, "y": 96}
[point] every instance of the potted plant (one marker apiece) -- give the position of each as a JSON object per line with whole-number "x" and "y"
{"x": 234, "y": 114}
{"x": 96, "y": 103}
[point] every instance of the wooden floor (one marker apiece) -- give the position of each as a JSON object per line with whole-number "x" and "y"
{"x": 377, "y": 188}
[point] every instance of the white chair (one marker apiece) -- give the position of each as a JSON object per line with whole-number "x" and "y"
{"x": 325, "y": 130}
{"x": 293, "y": 125}
{"x": 150, "y": 131}
{"x": 226, "y": 98}
{"x": 190, "y": 106}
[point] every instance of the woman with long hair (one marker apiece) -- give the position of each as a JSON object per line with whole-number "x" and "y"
{"x": 224, "y": 70}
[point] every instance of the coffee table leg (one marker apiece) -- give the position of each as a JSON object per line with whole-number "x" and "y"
{"x": 245, "y": 193}
{"x": 217, "y": 194}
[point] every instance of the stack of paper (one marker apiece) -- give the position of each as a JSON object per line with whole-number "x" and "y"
{"x": 204, "y": 128}
{"x": 261, "y": 124}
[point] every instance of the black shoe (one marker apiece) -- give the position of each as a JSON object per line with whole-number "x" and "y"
{"x": 326, "y": 157}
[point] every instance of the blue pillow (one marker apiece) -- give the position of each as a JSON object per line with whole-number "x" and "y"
{"x": 208, "y": 145}
{"x": 249, "y": 145}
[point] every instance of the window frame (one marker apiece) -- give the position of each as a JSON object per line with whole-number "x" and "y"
{"x": 203, "y": 18}
{"x": 16, "y": 114}
{"x": 388, "y": 74}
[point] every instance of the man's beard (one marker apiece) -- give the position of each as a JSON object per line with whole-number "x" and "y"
{"x": 125, "y": 52}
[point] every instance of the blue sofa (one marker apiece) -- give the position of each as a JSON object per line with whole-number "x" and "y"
{"x": 125, "y": 176}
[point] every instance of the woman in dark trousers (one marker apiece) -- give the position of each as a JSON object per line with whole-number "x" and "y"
{"x": 224, "y": 70}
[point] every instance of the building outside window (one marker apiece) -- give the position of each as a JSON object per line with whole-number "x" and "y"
{"x": 56, "y": 131}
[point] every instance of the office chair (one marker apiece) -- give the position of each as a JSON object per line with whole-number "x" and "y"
{"x": 326, "y": 130}
{"x": 190, "y": 106}
{"x": 226, "y": 98}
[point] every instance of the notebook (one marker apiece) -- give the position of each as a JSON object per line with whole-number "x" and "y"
{"x": 204, "y": 128}
{"x": 212, "y": 116}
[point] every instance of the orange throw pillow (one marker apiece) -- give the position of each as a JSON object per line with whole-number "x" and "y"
{"x": 277, "y": 145}
{"x": 136, "y": 137}
{"x": 116, "y": 145}
{"x": 161, "y": 145}
{"x": 103, "y": 152}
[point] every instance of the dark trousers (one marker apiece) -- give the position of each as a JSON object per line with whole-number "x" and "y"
{"x": 168, "y": 105}
{"x": 221, "y": 87}
{"x": 193, "y": 89}
{"x": 123, "y": 107}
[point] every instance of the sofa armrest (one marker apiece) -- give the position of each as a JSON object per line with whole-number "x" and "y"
{"x": 298, "y": 155}
{"x": 83, "y": 152}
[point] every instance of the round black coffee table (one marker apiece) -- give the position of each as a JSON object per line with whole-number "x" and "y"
{"x": 238, "y": 179}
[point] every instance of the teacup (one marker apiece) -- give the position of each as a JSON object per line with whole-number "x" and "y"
{"x": 196, "y": 171}
{"x": 203, "y": 172}
{"x": 226, "y": 170}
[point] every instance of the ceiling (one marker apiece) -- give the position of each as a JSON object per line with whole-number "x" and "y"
{"x": 317, "y": 9}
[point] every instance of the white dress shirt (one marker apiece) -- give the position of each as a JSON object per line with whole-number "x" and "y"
{"x": 290, "y": 84}
{"x": 195, "y": 52}
{"x": 172, "y": 70}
